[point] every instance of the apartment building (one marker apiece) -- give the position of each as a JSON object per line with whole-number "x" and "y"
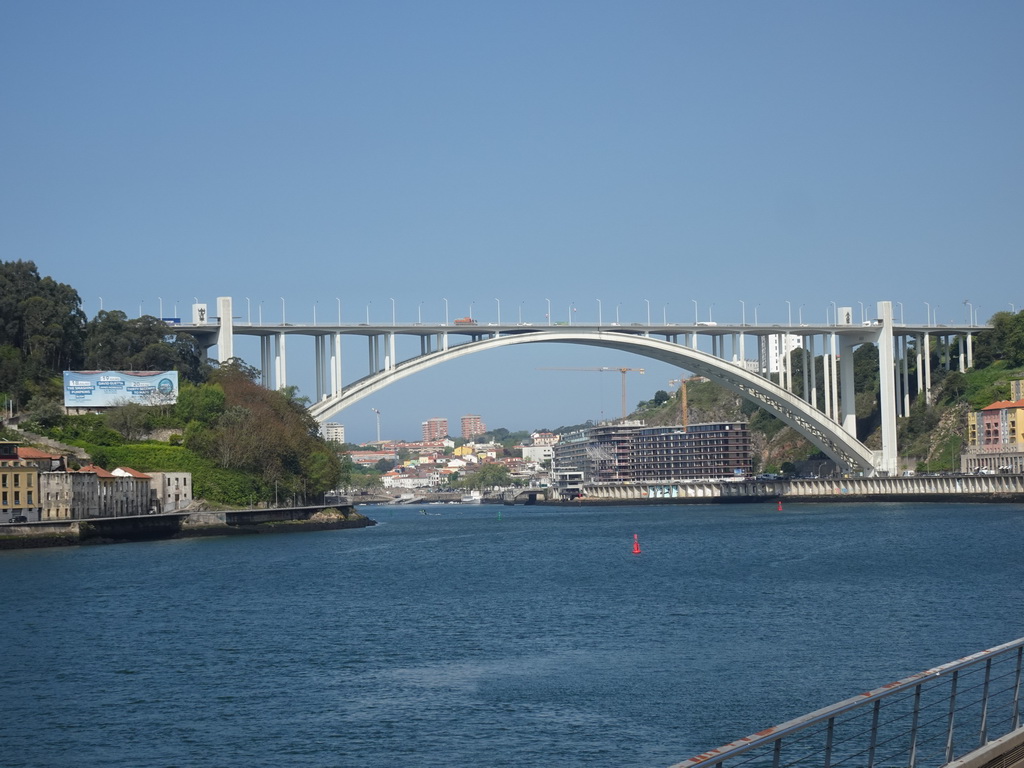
{"x": 435, "y": 429}
{"x": 334, "y": 432}
{"x": 995, "y": 437}
{"x": 472, "y": 426}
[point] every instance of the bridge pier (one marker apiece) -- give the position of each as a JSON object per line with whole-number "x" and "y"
{"x": 887, "y": 386}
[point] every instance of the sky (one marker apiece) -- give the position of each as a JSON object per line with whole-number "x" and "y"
{"x": 641, "y": 154}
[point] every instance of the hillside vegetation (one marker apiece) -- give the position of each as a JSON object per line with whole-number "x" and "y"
{"x": 930, "y": 437}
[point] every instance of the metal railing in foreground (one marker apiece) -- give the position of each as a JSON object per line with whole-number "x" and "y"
{"x": 923, "y": 721}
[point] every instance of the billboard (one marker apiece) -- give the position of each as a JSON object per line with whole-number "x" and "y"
{"x": 105, "y": 389}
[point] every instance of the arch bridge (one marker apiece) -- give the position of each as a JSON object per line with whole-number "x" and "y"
{"x": 767, "y": 380}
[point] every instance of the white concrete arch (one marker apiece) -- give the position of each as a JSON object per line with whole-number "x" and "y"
{"x": 849, "y": 453}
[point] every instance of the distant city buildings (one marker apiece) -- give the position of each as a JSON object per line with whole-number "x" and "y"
{"x": 334, "y": 432}
{"x": 435, "y": 429}
{"x": 472, "y": 426}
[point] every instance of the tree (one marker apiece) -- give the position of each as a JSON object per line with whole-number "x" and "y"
{"x": 1004, "y": 342}
{"x": 41, "y": 319}
{"x": 130, "y": 419}
{"x": 487, "y": 476}
{"x": 115, "y": 342}
{"x": 203, "y": 403}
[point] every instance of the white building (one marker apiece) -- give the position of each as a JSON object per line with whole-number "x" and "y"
{"x": 334, "y": 432}
{"x": 775, "y": 348}
{"x": 170, "y": 491}
{"x": 538, "y": 454}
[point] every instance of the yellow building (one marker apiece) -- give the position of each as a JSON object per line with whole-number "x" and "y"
{"x": 19, "y": 486}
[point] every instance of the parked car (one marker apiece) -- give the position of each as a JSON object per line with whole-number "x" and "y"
{"x": 18, "y": 519}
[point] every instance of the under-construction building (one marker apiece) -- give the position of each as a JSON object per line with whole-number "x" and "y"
{"x": 630, "y": 451}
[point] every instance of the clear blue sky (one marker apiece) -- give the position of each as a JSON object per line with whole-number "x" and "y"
{"x": 621, "y": 151}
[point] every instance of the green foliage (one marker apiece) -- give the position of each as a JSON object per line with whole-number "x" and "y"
{"x": 252, "y": 429}
{"x": 87, "y": 428}
{"x": 1004, "y": 342}
{"x": 487, "y": 476}
{"x": 41, "y": 327}
{"x": 987, "y": 385}
{"x": 203, "y": 403}
{"x": 115, "y": 342}
{"x": 503, "y": 437}
{"x": 131, "y": 420}
{"x": 44, "y": 413}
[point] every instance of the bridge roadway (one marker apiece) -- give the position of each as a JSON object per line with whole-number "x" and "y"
{"x": 767, "y": 380}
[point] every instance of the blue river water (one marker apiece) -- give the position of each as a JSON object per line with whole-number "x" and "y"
{"x": 490, "y": 636}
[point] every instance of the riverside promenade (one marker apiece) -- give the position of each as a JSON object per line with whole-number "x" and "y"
{"x": 965, "y": 488}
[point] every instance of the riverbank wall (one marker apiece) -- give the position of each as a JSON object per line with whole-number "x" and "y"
{"x": 176, "y": 525}
{"x": 945, "y": 488}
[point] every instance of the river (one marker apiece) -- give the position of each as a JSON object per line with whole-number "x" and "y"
{"x": 490, "y": 636}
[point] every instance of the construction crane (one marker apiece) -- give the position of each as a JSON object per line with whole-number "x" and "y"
{"x": 604, "y": 369}
{"x": 682, "y": 397}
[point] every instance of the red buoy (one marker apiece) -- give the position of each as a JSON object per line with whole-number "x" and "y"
{"x": 636, "y": 544}
{"x": 780, "y": 505}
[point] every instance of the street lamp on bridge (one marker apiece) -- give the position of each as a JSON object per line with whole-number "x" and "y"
{"x": 499, "y": 309}
{"x": 743, "y": 312}
{"x": 549, "y": 310}
{"x": 445, "y": 311}
{"x": 789, "y": 310}
{"x": 598, "y": 311}
{"x": 648, "y": 301}
{"x": 392, "y": 312}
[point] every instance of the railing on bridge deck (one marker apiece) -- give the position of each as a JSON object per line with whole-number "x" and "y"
{"x": 923, "y": 721}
